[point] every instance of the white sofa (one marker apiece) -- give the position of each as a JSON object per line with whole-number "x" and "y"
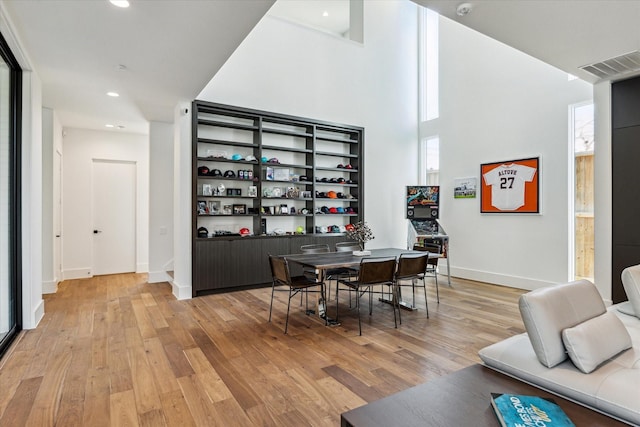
{"x": 577, "y": 348}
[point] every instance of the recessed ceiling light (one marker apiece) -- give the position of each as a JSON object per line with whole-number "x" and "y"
{"x": 120, "y": 127}
{"x": 109, "y": 126}
{"x": 120, "y": 3}
{"x": 113, "y": 94}
{"x": 325, "y": 13}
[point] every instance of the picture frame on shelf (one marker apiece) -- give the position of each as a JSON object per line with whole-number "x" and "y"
{"x": 281, "y": 174}
{"x": 207, "y": 190}
{"x": 239, "y": 209}
{"x": 227, "y": 210}
{"x": 284, "y": 210}
{"x": 214, "y": 207}
{"x": 202, "y": 207}
{"x": 252, "y": 191}
{"x": 269, "y": 174}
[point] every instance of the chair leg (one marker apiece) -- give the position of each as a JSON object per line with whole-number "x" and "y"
{"x": 337, "y": 300}
{"x": 286, "y": 324}
{"x": 437, "y": 291}
{"x": 273, "y": 287}
{"x": 396, "y": 289}
{"x": 426, "y": 306}
{"x": 413, "y": 292}
{"x": 358, "y": 296}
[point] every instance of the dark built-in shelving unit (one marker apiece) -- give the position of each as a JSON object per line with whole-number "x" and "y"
{"x": 289, "y": 162}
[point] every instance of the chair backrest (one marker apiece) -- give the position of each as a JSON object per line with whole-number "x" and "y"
{"x": 410, "y": 265}
{"x": 279, "y": 269}
{"x": 347, "y": 246}
{"x": 376, "y": 270}
{"x": 430, "y": 247}
{"x": 314, "y": 249}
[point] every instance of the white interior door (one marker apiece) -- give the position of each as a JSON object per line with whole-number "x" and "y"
{"x": 114, "y": 217}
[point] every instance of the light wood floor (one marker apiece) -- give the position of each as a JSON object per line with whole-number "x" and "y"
{"x": 115, "y": 350}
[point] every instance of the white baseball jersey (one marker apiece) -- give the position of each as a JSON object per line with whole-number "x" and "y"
{"x": 507, "y": 185}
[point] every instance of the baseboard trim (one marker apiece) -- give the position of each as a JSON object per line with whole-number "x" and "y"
{"x": 180, "y": 291}
{"x": 50, "y": 287}
{"x": 500, "y": 279}
{"x": 142, "y": 267}
{"x": 158, "y": 276}
{"x": 36, "y": 316}
{"x": 77, "y": 273}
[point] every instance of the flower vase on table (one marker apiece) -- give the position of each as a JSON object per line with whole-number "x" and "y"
{"x": 361, "y": 233}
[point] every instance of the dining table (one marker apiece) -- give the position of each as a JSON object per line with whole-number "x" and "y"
{"x": 321, "y": 262}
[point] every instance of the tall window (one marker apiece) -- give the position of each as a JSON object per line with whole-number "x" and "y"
{"x": 430, "y": 161}
{"x": 582, "y": 143}
{"x": 429, "y": 65}
{"x": 10, "y": 260}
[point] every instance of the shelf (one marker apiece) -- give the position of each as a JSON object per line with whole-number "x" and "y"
{"x": 287, "y": 132}
{"x": 337, "y": 184}
{"x": 285, "y": 165}
{"x": 283, "y": 215}
{"x": 291, "y": 150}
{"x": 337, "y": 170}
{"x": 226, "y": 124}
{"x": 226, "y": 197}
{"x": 284, "y": 198}
{"x": 269, "y": 181}
{"x": 223, "y": 160}
{"x": 330, "y": 139}
{"x": 225, "y": 142}
{"x": 222, "y": 178}
{"x": 228, "y": 215}
{"x": 346, "y": 156}
{"x": 335, "y": 200}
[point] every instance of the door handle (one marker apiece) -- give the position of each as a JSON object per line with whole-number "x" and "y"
{"x": 97, "y": 231}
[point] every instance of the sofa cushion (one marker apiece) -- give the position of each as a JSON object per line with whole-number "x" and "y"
{"x": 595, "y": 341}
{"x": 631, "y": 282}
{"x": 547, "y": 311}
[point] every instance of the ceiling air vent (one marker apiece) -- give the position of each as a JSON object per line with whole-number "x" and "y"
{"x": 614, "y": 67}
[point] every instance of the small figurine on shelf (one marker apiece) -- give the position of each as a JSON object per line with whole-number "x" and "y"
{"x": 361, "y": 233}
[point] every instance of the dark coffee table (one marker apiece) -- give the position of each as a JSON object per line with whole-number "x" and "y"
{"x": 459, "y": 399}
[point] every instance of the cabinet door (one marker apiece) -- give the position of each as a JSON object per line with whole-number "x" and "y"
{"x": 211, "y": 271}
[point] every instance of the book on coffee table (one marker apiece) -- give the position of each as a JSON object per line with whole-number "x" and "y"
{"x": 515, "y": 410}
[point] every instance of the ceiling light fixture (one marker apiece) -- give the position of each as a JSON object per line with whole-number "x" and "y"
{"x": 325, "y": 13}
{"x": 464, "y": 9}
{"x": 113, "y": 94}
{"x": 120, "y": 3}
{"x": 109, "y": 125}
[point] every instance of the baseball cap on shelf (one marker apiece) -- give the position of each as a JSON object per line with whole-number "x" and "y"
{"x": 333, "y": 210}
{"x": 244, "y": 231}
{"x": 341, "y": 180}
{"x": 340, "y": 209}
{"x": 264, "y": 159}
{"x": 324, "y": 180}
{"x": 215, "y": 172}
{"x": 324, "y": 209}
{"x": 230, "y": 174}
{"x": 340, "y": 195}
{"x": 350, "y": 210}
{"x": 303, "y": 178}
{"x": 332, "y": 195}
{"x": 273, "y": 160}
{"x": 348, "y": 167}
{"x": 203, "y": 170}
{"x": 203, "y": 232}
{"x": 278, "y": 231}
{"x": 340, "y": 166}
{"x": 323, "y": 229}
{"x": 335, "y": 229}
{"x": 333, "y": 180}
{"x": 349, "y": 227}
{"x": 250, "y": 158}
{"x": 236, "y": 157}
{"x": 343, "y": 228}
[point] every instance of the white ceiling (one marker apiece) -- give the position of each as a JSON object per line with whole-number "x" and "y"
{"x": 326, "y": 15}
{"x": 567, "y": 34}
{"x": 171, "y": 50}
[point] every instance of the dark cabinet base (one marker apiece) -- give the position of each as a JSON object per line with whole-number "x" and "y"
{"x": 236, "y": 263}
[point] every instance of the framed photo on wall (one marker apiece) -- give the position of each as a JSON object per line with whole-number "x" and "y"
{"x": 510, "y": 186}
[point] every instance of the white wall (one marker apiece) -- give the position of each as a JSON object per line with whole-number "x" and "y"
{"x": 80, "y": 148}
{"x": 51, "y": 142}
{"x": 498, "y": 104}
{"x": 285, "y": 68}
{"x": 160, "y": 201}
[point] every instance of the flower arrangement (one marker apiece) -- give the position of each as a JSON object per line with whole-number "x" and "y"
{"x": 361, "y": 233}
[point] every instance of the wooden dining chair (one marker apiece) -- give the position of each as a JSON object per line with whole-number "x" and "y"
{"x": 281, "y": 276}
{"x": 432, "y": 264}
{"x": 412, "y": 267}
{"x": 373, "y": 271}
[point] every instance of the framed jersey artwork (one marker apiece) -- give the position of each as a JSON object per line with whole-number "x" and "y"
{"x": 511, "y": 186}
